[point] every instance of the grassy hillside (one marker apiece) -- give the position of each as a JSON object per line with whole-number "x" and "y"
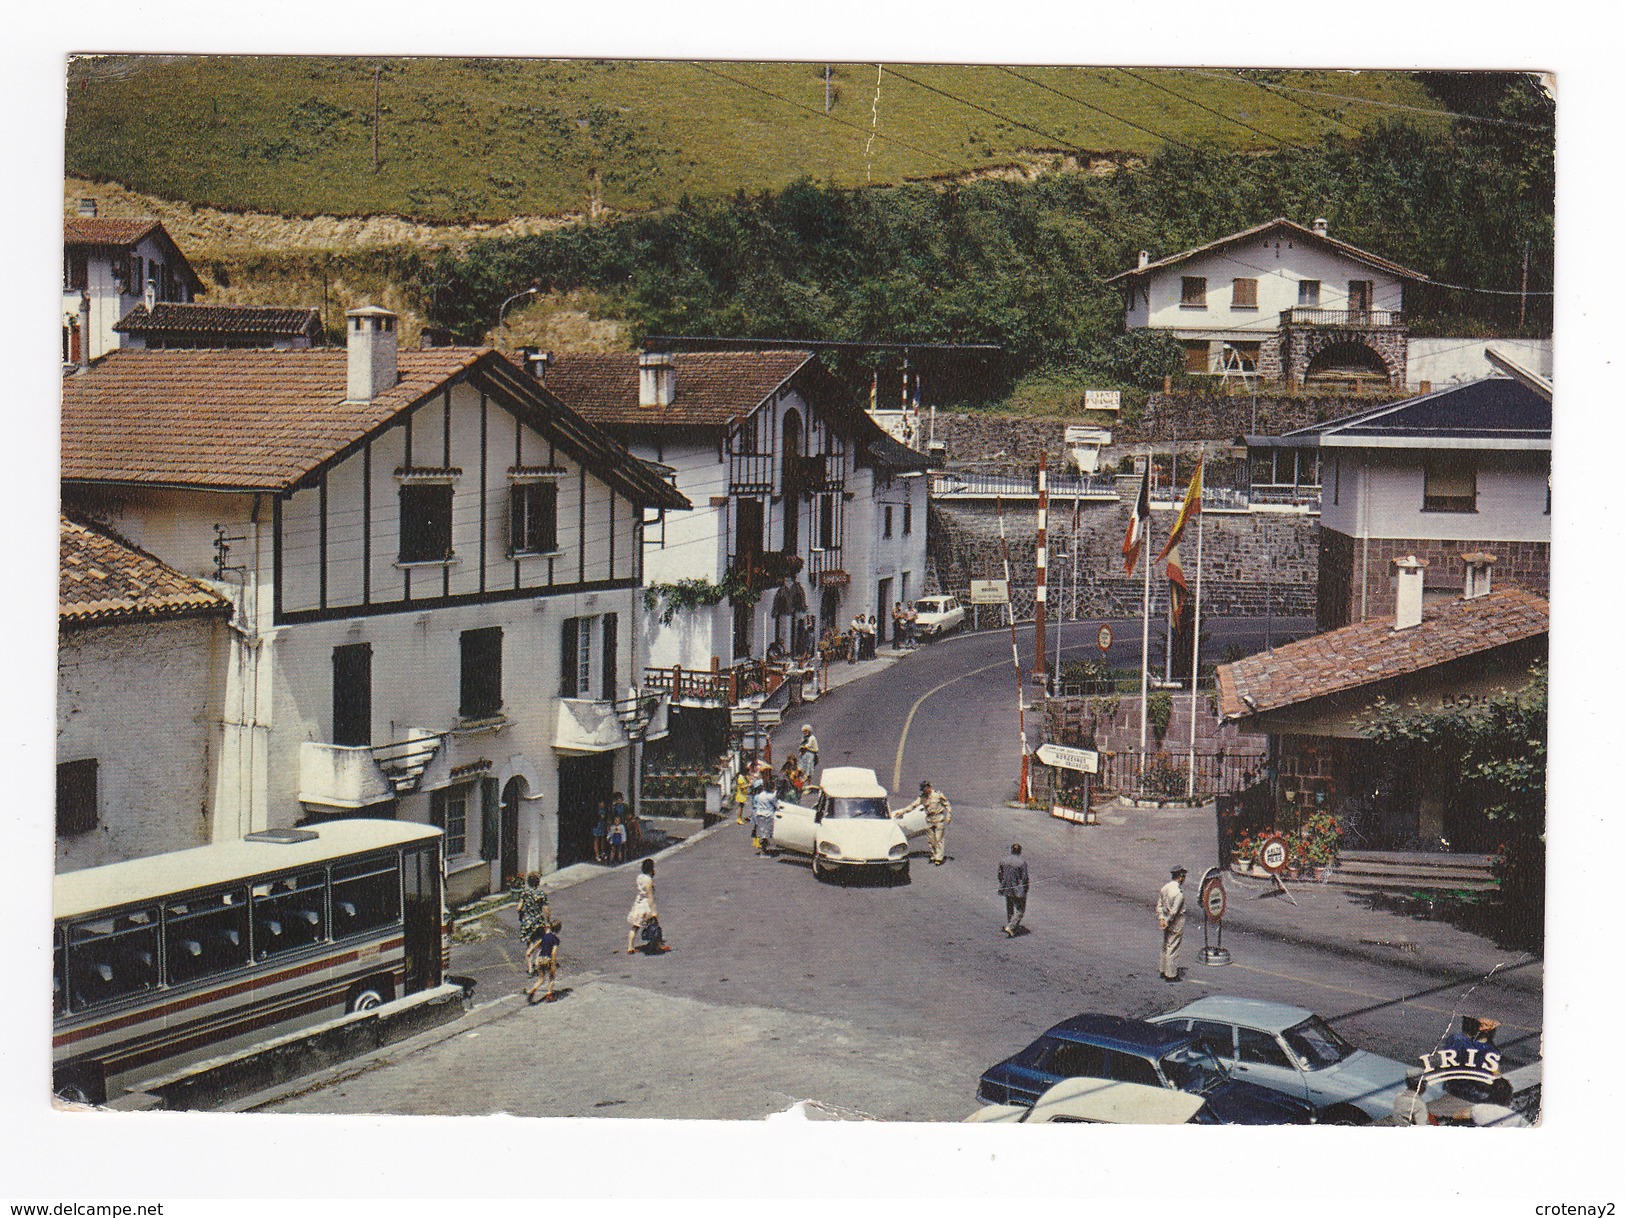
{"x": 487, "y": 139}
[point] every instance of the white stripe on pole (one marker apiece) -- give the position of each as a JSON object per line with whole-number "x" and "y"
{"x": 1145, "y": 622}
{"x": 1196, "y": 639}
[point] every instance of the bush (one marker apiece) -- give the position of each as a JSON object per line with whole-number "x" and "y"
{"x": 1144, "y": 357}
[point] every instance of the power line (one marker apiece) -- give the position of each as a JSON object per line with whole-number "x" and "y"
{"x": 745, "y": 84}
{"x": 1276, "y": 139}
{"x": 1320, "y": 114}
{"x": 1370, "y": 101}
{"x": 1038, "y": 84}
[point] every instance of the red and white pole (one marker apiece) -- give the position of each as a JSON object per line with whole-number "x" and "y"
{"x": 1041, "y": 588}
{"x": 1015, "y": 655}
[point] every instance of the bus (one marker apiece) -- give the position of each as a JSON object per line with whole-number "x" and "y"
{"x": 166, "y": 961}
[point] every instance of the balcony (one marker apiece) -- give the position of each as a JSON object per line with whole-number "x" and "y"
{"x": 356, "y": 776}
{"x": 750, "y": 473}
{"x": 719, "y": 687}
{"x": 588, "y": 725}
{"x": 1346, "y": 319}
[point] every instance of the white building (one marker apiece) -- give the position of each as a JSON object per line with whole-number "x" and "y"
{"x": 436, "y": 569}
{"x": 108, "y": 268}
{"x": 133, "y": 633}
{"x": 794, "y": 486}
{"x": 1288, "y": 302}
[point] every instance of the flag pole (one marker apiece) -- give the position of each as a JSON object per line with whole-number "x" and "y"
{"x": 1145, "y": 627}
{"x": 1196, "y": 638}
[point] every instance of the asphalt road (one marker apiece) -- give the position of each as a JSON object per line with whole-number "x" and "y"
{"x": 889, "y": 999}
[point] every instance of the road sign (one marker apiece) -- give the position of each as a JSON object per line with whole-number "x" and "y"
{"x": 1213, "y": 898}
{"x": 766, "y": 716}
{"x": 1064, "y": 758}
{"x": 1103, "y": 399}
{"x": 989, "y": 592}
{"x": 1103, "y": 638}
{"x": 1273, "y": 853}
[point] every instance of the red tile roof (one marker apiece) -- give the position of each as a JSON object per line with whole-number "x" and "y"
{"x": 167, "y": 317}
{"x": 92, "y": 230}
{"x": 1370, "y": 652}
{"x": 713, "y": 387}
{"x": 247, "y": 420}
{"x": 105, "y": 579}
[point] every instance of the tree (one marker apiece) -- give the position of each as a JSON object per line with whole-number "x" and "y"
{"x": 1490, "y": 756}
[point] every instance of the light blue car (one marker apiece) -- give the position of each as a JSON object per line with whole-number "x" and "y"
{"x": 1294, "y": 1051}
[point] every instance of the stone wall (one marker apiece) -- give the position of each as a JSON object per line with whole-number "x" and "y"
{"x": 1525, "y": 564}
{"x": 1251, "y": 563}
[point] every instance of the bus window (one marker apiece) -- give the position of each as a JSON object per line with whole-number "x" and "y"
{"x": 112, "y": 958}
{"x": 366, "y": 895}
{"x": 207, "y": 934}
{"x": 289, "y": 913}
{"x": 59, "y": 973}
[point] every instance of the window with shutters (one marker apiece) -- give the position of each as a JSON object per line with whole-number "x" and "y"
{"x": 908, "y": 519}
{"x": 448, "y": 812}
{"x": 1449, "y": 486}
{"x": 76, "y": 806}
{"x": 1193, "y": 292}
{"x": 1309, "y": 293}
{"x": 1244, "y": 293}
{"x": 533, "y": 518}
{"x": 578, "y": 678}
{"x": 1196, "y": 357}
{"x": 885, "y": 530}
{"x": 481, "y": 673}
{"x": 352, "y": 694}
{"x": 425, "y": 522}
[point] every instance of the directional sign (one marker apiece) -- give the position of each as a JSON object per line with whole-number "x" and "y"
{"x": 1103, "y": 399}
{"x": 989, "y": 592}
{"x": 1064, "y": 758}
{"x": 1103, "y": 638}
{"x": 745, "y": 716}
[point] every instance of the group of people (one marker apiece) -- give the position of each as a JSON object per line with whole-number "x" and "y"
{"x": 863, "y": 632}
{"x": 905, "y": 620}
{"x": 614, "y": 829}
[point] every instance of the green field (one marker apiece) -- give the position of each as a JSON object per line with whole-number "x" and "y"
{"x": 484, "y": 139}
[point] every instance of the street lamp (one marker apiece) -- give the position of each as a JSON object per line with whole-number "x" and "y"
{"x": 501, "y": 333}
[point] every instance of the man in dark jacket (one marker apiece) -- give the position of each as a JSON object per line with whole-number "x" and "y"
{"x": 1013, "y": 885}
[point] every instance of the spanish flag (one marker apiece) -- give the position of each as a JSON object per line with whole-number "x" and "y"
{"x": 1178, "y": 591}
{"x": 1134, "y": 539}
{"x": 1191, "y": 507}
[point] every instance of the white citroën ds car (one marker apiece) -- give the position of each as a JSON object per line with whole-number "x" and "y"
{"x": 846, "y": 823}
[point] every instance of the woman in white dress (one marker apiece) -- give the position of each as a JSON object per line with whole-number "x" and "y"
{"x": 643, "y": 909}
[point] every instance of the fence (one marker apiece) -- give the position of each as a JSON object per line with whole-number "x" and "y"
{"x": 1166, "y": 774}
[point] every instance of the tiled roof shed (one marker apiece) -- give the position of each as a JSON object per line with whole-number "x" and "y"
{"x": 262, "y": 420}
{"x": 166, "y": 318}
{"x": 1372, "y": 652}
{"x": 104, "y": 579}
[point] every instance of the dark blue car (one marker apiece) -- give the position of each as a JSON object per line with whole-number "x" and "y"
{"x": 1133, "y": 1051}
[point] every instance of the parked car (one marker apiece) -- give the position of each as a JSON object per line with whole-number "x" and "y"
{"x": 1293, "y": 1051}
{"x": 938, "y": 615}
{"x": 846, "y": 823}
{"x": 1134, "y": 1051}
{"x": 1102, "y": 1101}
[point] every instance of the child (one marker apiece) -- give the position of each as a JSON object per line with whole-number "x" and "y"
{"x": 600, "y": 832}
{"x": 546, "y": 954}
{"x": 741, "y": 795}
{"x": 617, "y": 838}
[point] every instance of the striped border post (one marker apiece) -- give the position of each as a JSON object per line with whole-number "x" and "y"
{"x": 1042, "y": 553}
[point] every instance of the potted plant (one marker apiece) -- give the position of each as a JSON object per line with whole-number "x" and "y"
{"x": 1320, "y": 837}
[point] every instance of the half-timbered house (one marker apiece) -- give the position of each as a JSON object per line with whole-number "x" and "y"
{"x": 435, "y": 565}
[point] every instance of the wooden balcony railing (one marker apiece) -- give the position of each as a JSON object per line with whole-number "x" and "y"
{"x": 1352, "y": 319}
{"x": 720, "y": 686}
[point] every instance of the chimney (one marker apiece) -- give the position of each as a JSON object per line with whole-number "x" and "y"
{"x": 87, "y": 208}
{"x": 1145, "y": 259}
{"x": 657, "y": 378}
{"x": 370, "y": 342}
{"x": 1408, "y": 573}
{"x": 1477, "y": 584}
{"x": 536, "y": 362}
{"x": 1319, "y": 226}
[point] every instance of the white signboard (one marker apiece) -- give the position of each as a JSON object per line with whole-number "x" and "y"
{"x": 989, "y": 592}
{"x": 745, "y": 716}
{"x": 1064, "y": 758}
{"x": 1103, "y": 399}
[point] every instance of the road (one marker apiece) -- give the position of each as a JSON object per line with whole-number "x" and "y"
{"x": 888, "y": 1000}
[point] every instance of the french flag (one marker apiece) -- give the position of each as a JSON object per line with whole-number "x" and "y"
{"x": 1138, "y": 523}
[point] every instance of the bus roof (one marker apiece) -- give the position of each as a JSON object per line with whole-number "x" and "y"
{"x": 147, "y": 879}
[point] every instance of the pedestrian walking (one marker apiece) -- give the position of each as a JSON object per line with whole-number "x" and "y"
{"x": 911, "y": 626}
{"x": 546, "y": 966}
{"x": 644, "y": 913}
{"x": 741, "y": 795}
{"x": 938, "y": 815}
{"x": 807, "y": 754}
{"x": 1013, "y": 887}
{"x": 764, "y": 807}
{"x": 1171, "y": 917}
{"x": 534, "y": 917}
{"x": 600, "y": 832}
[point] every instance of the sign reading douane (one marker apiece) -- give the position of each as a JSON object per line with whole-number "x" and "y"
{"x": 1213, "y": 898}
{"x": 1103, "y": 638}
{"x": 989, "y": 592}
{"x": 1064, "y": 758}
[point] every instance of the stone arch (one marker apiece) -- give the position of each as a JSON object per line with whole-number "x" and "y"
{"x": 1338, "y": 355}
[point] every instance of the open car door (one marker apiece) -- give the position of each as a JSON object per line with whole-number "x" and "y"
{"x": 913, "y": 821}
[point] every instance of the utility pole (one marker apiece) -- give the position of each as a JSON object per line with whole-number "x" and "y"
{"x": 375, "y": 72}
{"x": 826, "y": 87}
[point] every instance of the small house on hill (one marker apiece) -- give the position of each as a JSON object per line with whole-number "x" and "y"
{"x": 108, "y": 267}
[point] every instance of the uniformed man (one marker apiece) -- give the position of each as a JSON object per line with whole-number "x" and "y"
{"x": 1171, "y": 917}
{"x": 938, "y": 812}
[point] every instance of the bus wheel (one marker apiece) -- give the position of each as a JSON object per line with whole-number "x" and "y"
{"x": 80, "y": 1085}
{"x": 367, "y": 996}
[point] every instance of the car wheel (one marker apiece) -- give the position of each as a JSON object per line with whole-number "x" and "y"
{"x": 1344, "y": 1116}
{"x": 368, "y": 996}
